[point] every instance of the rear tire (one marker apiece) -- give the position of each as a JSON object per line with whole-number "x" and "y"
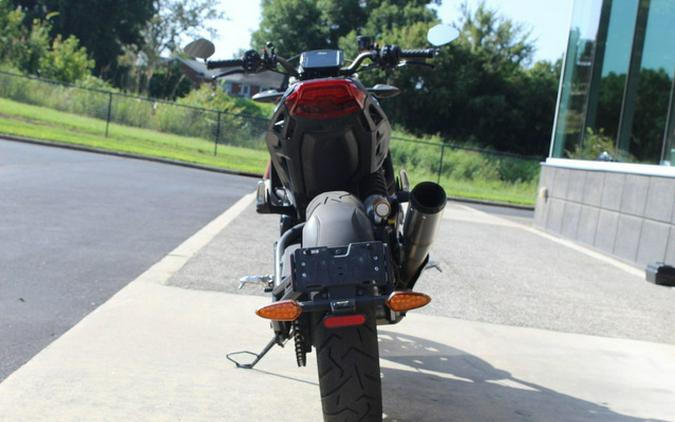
{"x": 349, "y": 372}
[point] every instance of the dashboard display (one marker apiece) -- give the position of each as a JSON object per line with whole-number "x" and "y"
{"x": 321, "y": 59}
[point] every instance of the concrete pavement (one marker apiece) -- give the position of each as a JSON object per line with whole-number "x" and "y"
{"x": 495, "y": 270}
{"x": 76, "y": 227}
{"x": 157, "y": 352}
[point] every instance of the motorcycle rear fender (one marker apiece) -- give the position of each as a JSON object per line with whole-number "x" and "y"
{"x": 336, "y": 219}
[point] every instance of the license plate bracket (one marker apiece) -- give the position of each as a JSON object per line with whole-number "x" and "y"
{"x": 363, "y": 263}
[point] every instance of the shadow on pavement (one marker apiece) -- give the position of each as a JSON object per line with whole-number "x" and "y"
{"x": 442, "y": 383}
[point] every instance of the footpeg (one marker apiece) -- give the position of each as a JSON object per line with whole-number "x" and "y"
{"x": 264, "y": 280}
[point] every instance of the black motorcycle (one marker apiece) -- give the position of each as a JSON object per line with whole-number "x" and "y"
{"x": 348, "y": 255}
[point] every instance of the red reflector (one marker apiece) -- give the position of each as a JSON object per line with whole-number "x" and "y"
{"x": 325, "y": 99}
{"x": 344, "y": 321}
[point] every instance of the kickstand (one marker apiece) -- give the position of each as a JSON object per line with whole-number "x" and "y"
{"x": 257, "y": 357}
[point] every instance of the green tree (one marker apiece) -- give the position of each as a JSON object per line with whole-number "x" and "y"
{"x": 340, "y": 17}
{"x": 502, "y": 44}
{"x": 169, "y": 81}
{"x": 66, "y": 61}
{"x": 12, "y": 32}
{"x": 29, "y": 49}
{"x": 102, "y": 26}
{"x": 480, "y": 91}
{"x": 385, "y": 16}
{"x": 293, "y": 26}
{"x": 174, "y": 21}
{"x": 20, "y": 46}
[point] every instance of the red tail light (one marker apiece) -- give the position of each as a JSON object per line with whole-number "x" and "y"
{"x": 344, "y": 321}
{"x": 325, "y": 99}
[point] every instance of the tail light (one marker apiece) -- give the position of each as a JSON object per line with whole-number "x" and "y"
{"x": 325, "y": 99}
{"x": 338, "y": 321}
{"x": 406, "y": 301}
{"x": 284, "y": 310}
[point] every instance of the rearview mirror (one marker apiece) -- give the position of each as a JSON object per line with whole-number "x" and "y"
{"x": 384, "y": 91}
{"x": 269, "y": 96}
{"x": 442, "y": 34}
{"x": 200, "y": 49}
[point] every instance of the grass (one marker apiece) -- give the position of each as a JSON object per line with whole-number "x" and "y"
{"x": 518, "y": 193}
{"x": 50, "y": 125}
{"x": 465, "y": 174}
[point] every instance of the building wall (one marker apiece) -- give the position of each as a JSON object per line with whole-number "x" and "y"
{"x": 630, "y": 216}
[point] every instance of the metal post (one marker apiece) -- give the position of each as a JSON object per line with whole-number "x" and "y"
{"x": 215, "y": 142}
{"x": 107, "y": 121}
{"x": 440, "y": 164}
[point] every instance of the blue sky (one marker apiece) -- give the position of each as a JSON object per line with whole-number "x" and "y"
{"x": 548, "y": 20}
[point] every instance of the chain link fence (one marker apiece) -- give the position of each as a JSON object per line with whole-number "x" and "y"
{"x": 116, "y": 108}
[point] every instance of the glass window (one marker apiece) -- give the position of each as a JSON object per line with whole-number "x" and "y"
{"x": 610, "y": 78}
{"x": 618, "y": 86}
{"x": 654, "y": 84}
{"x": 570, "y": 120}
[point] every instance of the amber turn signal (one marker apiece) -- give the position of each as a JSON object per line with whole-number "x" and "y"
{"x": 405, "y": 301}
{"x": 284, "y": 310}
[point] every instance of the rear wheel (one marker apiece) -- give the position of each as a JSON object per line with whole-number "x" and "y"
{"x": 349, "y": 372}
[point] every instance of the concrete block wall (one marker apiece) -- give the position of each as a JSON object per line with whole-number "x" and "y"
{"x": 629, "y": 216}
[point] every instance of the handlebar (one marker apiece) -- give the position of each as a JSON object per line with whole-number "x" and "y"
{"x": 387, "y": 57}
{"x": 358, "y": 60}
{"x": 215, "y": 64}
{"x": 253, "y": 62}
{"x": 420, "y": 53}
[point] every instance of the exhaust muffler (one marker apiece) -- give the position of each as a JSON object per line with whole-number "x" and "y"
{"x": 427, "y": 201}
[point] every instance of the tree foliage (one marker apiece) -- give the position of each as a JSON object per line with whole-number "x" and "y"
{"x": 169, "y": 81}
{"x": 31, "y": 51}
{"x": 66, "y": 61}
{"x": 483, "y": 90}
{"x": 295, "y": 26}
{"x": 174, "y": 21}
{"x": 292, "y": 26}
{"x": 102, "y": 26}
{"x": 124, "y": 41}
{"x": 21, "y": 46}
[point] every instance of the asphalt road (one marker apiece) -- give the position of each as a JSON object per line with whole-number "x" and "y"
{"x": 76, "y": 227}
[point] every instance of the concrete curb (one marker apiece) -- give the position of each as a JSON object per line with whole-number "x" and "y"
{"x": 492, "y": 204}
{"x": 162, "y": 271}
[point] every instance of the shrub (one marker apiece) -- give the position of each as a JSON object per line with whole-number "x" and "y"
{"x": 66, "y": 61}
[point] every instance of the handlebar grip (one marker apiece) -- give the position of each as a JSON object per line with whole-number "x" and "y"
{"x": 420, "y": 53}
{"x": 215, "y": 64}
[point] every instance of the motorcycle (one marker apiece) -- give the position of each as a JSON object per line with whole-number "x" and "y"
{"x": 348, "y": 255}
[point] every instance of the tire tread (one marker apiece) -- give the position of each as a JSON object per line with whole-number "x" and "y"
{"x": 349, "y": 372}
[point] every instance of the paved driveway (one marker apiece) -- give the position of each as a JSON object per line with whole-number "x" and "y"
{"x": 156, "y": 352}
{"x": 75, "y": 227}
